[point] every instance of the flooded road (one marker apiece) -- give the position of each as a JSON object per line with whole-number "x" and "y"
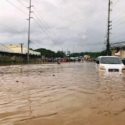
{"x": 66, "y": 94}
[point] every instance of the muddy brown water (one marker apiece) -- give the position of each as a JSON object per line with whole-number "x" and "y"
{"x": 66, "y": 94}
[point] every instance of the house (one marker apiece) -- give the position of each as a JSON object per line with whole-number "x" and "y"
{"x": 118, "y": 49}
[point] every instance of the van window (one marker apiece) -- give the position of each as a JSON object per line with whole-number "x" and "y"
{"x": 110, "y": 60}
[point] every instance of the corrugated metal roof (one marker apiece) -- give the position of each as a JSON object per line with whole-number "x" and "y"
{"x": 16, "y": 49}
{"x": 4, "y": 48}
{"x": 118, "y": 44}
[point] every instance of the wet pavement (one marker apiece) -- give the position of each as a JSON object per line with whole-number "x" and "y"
{"x": 66, "y": 94}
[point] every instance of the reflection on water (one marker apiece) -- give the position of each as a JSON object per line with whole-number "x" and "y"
{"x": 66, "y": 94}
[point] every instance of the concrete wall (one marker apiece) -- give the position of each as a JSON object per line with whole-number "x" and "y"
{"x": 13, "y": 58}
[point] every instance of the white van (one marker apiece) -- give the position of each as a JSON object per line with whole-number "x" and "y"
{"x": 110, "y": 64}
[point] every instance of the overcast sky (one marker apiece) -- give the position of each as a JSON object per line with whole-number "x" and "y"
{"x": 74, "y": 25}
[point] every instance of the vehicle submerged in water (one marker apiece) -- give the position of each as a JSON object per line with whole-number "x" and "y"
{"x": 110, "y": 64}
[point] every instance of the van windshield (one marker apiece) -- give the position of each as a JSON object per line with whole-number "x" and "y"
{"x": 110, "y": 60}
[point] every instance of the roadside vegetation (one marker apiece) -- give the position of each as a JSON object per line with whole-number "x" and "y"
{"x": 47, "y": 56}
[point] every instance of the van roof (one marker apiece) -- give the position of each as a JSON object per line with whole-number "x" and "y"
{"x": 108, "y": 56}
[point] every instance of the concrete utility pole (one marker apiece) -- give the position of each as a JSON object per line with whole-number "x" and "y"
{"x": 108, "y": 29}
{"x": 29, "y": 19}
{"x": 21, "y": 45}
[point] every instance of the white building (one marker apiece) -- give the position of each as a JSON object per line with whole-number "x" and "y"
{"x": 12, "y": 48}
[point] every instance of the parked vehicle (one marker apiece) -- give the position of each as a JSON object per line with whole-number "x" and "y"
{"x": 110, "y": 64}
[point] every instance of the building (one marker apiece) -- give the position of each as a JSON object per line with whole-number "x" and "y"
{"x": 16, "y": 54}
{"x": 118, "y": 49}
{"x": 16, "y": 49}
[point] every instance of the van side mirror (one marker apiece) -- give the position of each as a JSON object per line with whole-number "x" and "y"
{"x": 123, "y": 61}
{"x": 97, "y": 61}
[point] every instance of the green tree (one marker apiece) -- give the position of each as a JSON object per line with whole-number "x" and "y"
{"x": 60, "y": 54}
{"x": 46, "y": 53}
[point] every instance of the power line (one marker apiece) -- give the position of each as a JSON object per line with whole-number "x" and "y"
{"x": 42, "y": 25}
{"x": 12, "y": 4}
{"x": 43, "y": 30}
{"x": 21, "y": 3}
{"x": 40, "y": 18}
{"x": 117, "y": 22}
{"x": 42, "y": 21}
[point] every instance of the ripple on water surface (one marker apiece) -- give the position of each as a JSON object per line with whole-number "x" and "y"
{"x": 66, "y": 94}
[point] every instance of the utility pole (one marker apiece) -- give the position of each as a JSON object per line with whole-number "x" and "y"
{"x": 109, "y": 28}
{"x": 21, "y": 45}
{"x": 29, "y": 22}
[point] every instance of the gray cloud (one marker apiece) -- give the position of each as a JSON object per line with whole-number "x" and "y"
{"x": 75, "y": 25}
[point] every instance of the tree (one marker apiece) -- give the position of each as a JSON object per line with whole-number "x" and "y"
{"x": 46, "y": 53}
{"x": 60, "y": 54}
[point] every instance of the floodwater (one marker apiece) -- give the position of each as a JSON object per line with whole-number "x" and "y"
{"x": 65, "y": 94}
